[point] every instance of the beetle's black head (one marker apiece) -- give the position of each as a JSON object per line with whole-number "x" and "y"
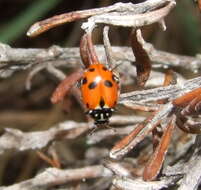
{"x": 101, "y": 116}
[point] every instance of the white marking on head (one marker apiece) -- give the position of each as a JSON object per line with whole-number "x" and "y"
{"x": 105, "y": 106}
{"x": 102, "y": 116}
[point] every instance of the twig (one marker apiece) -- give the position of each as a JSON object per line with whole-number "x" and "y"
{"x": 168, "y": 92}
{"x": 117, "y": 168}
{"x": 126, "y": 119}
{"x": 129, "y": 18}
{"x": 192, "y": 177}
{"x": 43, "y": 66}
{"x": 96, "y": 137}
{"x": 139, "y": 133}
{"x": 53, "y": 176}
{"x": 15, "y": 59}
{"x": 108, "y": 49}
{"x": 118, "y": 9}
{"x": 20, "y": 141}
{"x": 137, "y": 184}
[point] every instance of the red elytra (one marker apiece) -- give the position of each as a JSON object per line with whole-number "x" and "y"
{"x": 100, "y": 91}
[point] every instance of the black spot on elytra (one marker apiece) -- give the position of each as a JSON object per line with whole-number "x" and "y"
{"x": 104, "y": 68}
{"x": 87, "y": 105}
{"x": 84, "y": 80}
{"x": 91, "y": 70}
{"x": 92, "y": 85}
{"x": 102, "y": 103}
{"x": 108, "y": 83}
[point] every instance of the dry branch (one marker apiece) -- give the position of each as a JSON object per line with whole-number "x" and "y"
{"x": 53, "y": 176}
{"x": 16, "y": 59}
{"x": 119, "y": 14}
{"x": 143, "y": 63}
{"x": 96, "y": 137}
{"x": 138, "y": 184}
{"x": 192, "y": 177}
{"x": 20, "y": 141}
{"x": 130, "y": 19}
{"x": 155, "y": 94}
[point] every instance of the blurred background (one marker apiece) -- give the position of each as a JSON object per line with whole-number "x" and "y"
{"x": 27, "y": 110}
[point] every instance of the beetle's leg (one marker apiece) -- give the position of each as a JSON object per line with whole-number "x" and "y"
{"x": 155, "y": 163}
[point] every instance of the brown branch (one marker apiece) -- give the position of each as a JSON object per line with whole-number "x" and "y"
{"x": 65, "y": 86}
{"x": 143, "y": 63}
{"x": 135, "y": 10}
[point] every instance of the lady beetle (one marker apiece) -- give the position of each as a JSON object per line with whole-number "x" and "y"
{"x": 100, "y": 91}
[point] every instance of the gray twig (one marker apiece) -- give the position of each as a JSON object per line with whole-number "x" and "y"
{"x": 16, "y": 59}
{"x": 53, "y": 176}
{"x": 20, "y": 141}
{"x": 138, "y": 184}
{"x": 192, "y": 177}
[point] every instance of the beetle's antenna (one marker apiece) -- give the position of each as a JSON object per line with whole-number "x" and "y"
{"x": 116, "y": 66}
